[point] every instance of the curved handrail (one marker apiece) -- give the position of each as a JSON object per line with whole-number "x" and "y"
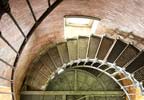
{"x": 51, "y": 7}
{"x": 110, "y": 65}
{"x": 5, "y": 8}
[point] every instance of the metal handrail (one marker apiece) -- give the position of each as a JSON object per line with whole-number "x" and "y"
{"x": 123, "y": 87}
{"x": 5, "y": 8}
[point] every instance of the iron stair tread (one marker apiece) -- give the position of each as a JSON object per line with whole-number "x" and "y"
{"x": 93, "y": 46}
{"x": 89, "y": 63}
{"x": 32, "y": 73}
{"x": 82, "y": 46}
{"x": 81, "y": 63}
{"x": 127, "y": 54}
{"x": 48, "y": 62}
{"x": 37, "y": 85}
{"x": 139, "y": 74}
{"x": 104, "y": 47}
{"x": 54, "y": 55}
{"x": 136, "y": 64}
{"x": 103, "y": 67}
{"x": 116, "y": 50}
{"x": 111, "y": 71}
{"x": 46, "y": 68}
{"x": 38, "y": 73}
{"x": 63, "y": 52}
{"x": 96, "y": 64}
{"x": 72, "y": 48}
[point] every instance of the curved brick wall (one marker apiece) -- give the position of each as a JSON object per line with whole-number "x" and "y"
{"x": 126, "y": 15}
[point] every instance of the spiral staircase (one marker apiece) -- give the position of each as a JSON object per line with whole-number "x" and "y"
{"x": 85, "y": 68}
{"x": 118, "y": 60}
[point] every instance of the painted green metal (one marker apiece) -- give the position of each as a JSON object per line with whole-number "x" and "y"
{"x": 75, "y": 81}
{"x": 78, "y": 84}
{"x": 94, "y": 93}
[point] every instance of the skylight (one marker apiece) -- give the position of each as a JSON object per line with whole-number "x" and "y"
{"x": 79, "y": 22}
{"x": 80, "y": 25}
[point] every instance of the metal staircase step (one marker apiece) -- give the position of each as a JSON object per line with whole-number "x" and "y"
{"x": 116, "y": 50}
{"x": 35, "y": 75}
{"x": 45, "y": 70}
{"x": 30, "y": 75}
{"x": 38, "y": 84}
{"x": 111, "y": 71}
{"x": 103, "y": 67}
{"x": 89, "y": 63}
{"x": 72, "y": 48}
{"x": 81, "y": 63}
{"x": 136, "y": 64}
{"x": 54, "y": 55}
{"x": 46, "y": 60}
{"x": 104, "y": 47}
{"x": 93, "y": 46}
{"x": 128, "y": 53}
{"x": 82, "y": 47}
{"x": 63, "y": 52}
{"x": 139, "y": 74}
{"x": 96, "y": 64}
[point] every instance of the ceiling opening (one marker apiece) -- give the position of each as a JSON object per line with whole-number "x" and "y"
{"x": 80, "y": 25}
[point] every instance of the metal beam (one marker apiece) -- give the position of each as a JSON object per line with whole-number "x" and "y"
{"x": 95, "y": 93}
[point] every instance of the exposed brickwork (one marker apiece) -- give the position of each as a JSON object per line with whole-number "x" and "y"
{"x": 126, "y": 15}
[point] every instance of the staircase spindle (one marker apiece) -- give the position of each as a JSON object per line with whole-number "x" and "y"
{"x": 3, "y": 38}
{"x": 31, "y": 9}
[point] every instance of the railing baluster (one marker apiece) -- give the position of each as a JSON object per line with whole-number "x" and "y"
{"x": 6, "y": 63}
{"x": 127, "y": 86}
{"x": 6, "y": 79}
{"x": 15, "y": 22}
{"x": 31, "y": 9}
{"x": 2, "y": 37}
{"x": 123, "y": 78}
{"x": 49, "y": 3}
{"x": 26, "y": 37}
{"x": 115, "y": 73}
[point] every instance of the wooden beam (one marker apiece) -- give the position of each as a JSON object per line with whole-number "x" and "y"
{"x": 95, "y": 93}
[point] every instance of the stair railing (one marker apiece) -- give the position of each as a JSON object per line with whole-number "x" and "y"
{"x": 5, "y": 8}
